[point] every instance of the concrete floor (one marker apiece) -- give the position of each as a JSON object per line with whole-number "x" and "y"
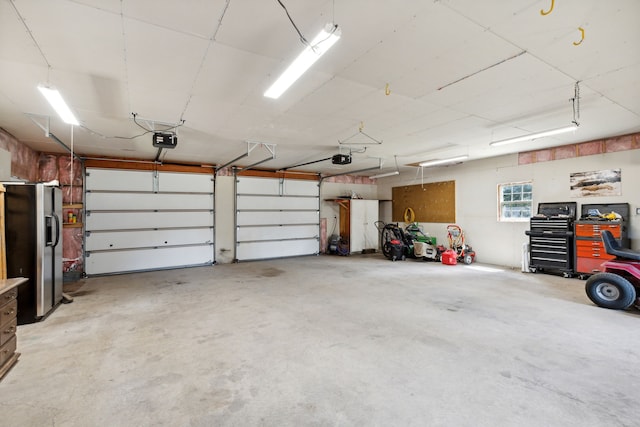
{"x": 327, "y": 341}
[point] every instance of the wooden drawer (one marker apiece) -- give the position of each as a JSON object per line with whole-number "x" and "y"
{"x": 594, "y": 230}
{"x": 8, "y": 312}
{"x": 7, "y": 350}
{"x": 8, "y": 296}
{"x": 7, "y": 331}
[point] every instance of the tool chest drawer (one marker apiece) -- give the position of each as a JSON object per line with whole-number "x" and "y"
{"x": 594, "y": 230}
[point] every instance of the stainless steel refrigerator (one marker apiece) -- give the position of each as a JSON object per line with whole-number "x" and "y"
{"x": 33, "y": 225}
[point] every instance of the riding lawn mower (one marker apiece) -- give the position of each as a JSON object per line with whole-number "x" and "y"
{"x": 617, "y": 286}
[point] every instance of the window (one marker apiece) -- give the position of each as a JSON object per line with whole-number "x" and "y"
{"x": 515, "y": 201}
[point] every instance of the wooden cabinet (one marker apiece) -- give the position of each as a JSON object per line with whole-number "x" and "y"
{"x": 72, "y": 215}
{"x": 8, "y": 323}
{"x": 590, "y": 252}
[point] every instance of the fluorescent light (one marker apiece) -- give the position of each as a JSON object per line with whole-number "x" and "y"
{"x": 536, "y": 135}
{"x": 384, "y": 175}
{"x": 443, "y": 161}
{"x": 319, "y": 45}
{"x": 58, "y": 104}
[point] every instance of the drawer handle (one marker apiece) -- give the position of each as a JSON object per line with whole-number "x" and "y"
{"x": 10, "y": 312}
{"x": 11, "y": 330}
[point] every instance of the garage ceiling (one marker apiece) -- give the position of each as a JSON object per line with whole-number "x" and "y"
{"x": 460, "y": 74}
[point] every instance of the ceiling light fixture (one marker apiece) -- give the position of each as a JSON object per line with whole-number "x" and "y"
{"x": 384, "y": 175}
{"x": 57, "y": 102}
{"x": 318, "y": 47}
{"x": 443, "y": 161}
{"x": 536, "y": 135}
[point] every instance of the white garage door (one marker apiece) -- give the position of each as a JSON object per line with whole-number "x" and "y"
{"x": 276, "y": 218}
{"x": 147, "y": 220}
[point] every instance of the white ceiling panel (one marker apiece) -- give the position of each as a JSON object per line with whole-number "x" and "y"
{"x": 159, "y": 105}
{"x": 328, "y": 98}
{"x": 627, "y": 97}
{"x": 262, "y": 27}
{"x": 73, "y": 36}
{"x": 178, "y": 16}
{"x": 113, "y": 6}
{"x": 15, "y": 43}
{"x": 159, "y": 59}
{"x": 459, "y": 74}
{"x": 230, "y": 74}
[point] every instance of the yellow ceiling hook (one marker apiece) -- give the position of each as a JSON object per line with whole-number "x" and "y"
{"x": 581, "y": 38}
{"x": 543, "y": 13}
{"x": 387, "y": 90}
{"x": 361, "y": 126}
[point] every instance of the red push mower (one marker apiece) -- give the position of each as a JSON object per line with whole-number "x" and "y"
{"x": 618, "y": 285}
{"x": 463, "y": 251}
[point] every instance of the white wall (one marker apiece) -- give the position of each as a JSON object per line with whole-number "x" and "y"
{"x": 476, "y": 197}
{"x": 225, "y": 219}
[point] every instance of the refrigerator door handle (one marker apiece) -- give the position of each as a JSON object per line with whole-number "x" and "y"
{"x": 48, "y": 230}
{"x": 55, "y": 216}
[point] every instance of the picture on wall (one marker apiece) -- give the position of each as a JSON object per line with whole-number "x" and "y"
{"x": 596, "y": 183}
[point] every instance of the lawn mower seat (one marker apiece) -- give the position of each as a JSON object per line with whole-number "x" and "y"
{"x": 613, "y": 248}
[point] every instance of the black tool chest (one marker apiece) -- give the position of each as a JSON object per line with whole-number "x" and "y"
{"x": 551, "y": 238}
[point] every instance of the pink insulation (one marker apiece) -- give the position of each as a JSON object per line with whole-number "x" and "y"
{"x": 590, "y": 148}
{"x": 622, "y": 143}
{"x": 544, "y": 155}
{"x": 72, "y": 254}
{"x": 48, "y": 167}
{"x": 71, "y": 194}
{"x": 526, "y": 158}
{"x": 65, "y": 177}
{"x": 564, "y": 152}
{"x": 23, "y": 159}
{"x": 351, "y": 179}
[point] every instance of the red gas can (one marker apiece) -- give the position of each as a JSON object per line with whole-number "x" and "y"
{"x": 449, "y": 257}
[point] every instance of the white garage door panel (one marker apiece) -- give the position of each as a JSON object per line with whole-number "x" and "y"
{"x": 146, "y": 201}
{"x": 258, "y": 186}
{"x": 135, "y": 220}
{"x": 147, "y": 220}
{"x": 277, "y": 232}
{"x": 185, "y": 182}
{"x": 118, "y": 180}
{"x": 262, "y": 250}
{"x": 276, "y": 202}
{"x": 300, "y": 188}
{"x": 289, "y": 187}
{"x": 148, "y": 259}
{"x": 106, "y": 240}
{"x": 276, "y": 218}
